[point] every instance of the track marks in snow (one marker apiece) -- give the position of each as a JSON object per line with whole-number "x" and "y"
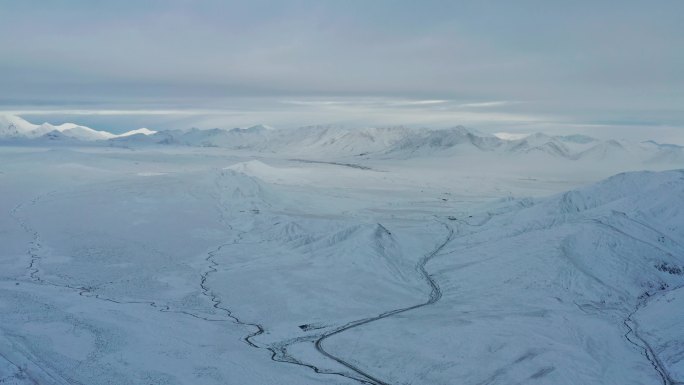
{"x": 35, "y": 245}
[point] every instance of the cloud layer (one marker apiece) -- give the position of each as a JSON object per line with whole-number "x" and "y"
{"x": 580, "y": 62}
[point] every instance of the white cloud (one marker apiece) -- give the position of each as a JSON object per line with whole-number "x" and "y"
{"x": 510, "y": 135}
{"x": 485, "y": 104}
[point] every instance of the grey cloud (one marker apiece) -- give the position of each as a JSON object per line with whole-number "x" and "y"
{"x": 580, "y": 62}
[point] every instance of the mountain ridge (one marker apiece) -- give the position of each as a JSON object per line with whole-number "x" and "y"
{"x": 339, "y": 141}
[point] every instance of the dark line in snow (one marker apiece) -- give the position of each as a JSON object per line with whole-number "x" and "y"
{"x": 643, "y": 345}
{"x": 351, "y": 165}
{"x": 278, "y": 351}
{"x": 435, "y": 295}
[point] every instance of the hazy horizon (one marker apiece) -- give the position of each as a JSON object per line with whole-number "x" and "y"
{"x": 593, "y": 68}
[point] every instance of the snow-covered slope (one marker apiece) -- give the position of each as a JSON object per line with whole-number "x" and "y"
{"x": 456, "y": 139}
{"x": 288, "y": 271}
{"x": 579, "y": 288}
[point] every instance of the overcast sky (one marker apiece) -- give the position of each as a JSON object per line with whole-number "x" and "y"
{"x": 493, "y": 65}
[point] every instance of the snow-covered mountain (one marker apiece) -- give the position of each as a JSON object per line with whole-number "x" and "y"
{"x": 592, "y": 278}
{"x": 405, "y": 142}
{"x": 429, "y": 141}
{"x": 14, "y": 127}
{"x": 326, "y": 141}
{"x": 375, "y": 269}
{"x": 139, "y": 131}
{"x": 310, "y": 140}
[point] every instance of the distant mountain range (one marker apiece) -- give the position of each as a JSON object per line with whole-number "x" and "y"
{"x": 336, "y": 141}
{"x": 14, "y": 127}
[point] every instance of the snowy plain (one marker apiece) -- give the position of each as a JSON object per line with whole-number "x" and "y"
{"x": 379, "y": 256}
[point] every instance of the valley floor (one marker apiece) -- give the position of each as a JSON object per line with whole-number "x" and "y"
{"x": 183, "y": 265}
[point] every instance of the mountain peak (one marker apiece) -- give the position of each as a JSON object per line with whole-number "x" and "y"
{"x": 12, "y": 126}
